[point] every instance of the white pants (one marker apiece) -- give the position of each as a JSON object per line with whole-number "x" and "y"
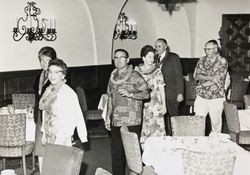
{"x": 212, "y": 106}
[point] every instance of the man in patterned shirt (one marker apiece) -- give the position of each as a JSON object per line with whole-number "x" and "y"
{"x": 211, "y": 71}
{"x": 126, "y": 90}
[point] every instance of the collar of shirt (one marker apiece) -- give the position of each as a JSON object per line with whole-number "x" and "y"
{"x": 162, "y": 55}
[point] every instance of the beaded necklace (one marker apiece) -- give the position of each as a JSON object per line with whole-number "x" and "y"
{"x": 208, "y": 66}
{"x": 118, "y": 79}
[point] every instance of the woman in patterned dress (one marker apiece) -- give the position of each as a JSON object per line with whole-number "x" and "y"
{"x": 154, "y": 110}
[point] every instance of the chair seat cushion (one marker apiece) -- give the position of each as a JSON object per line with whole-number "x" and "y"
{"x": 16, "y": 151}
{"x": 244, "y": 137}
{"x": 93, "y": 114}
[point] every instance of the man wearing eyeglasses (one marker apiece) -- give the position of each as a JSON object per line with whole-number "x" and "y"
{"x": 211, "y": 71}
{"x": 126, "y": 90}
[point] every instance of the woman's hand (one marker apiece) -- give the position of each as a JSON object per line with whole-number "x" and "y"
{"x": 163, "y": 109}
{"x": 107, "y": 124}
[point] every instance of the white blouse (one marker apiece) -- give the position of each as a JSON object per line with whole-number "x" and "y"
{"x": 69, "y": 116}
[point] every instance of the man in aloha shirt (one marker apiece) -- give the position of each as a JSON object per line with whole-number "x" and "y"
{"x": 211, "y": 71}
{"x": 126, "y": 90}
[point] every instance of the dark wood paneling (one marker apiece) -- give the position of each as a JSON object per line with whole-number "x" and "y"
{"x": 188, "y": 65}
{"x": 93, "y": 79}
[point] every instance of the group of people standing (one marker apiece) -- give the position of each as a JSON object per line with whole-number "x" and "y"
{"x": 151, "y": 89}
{"x": 143, "y": 98}
{"x": 146, "y": 97}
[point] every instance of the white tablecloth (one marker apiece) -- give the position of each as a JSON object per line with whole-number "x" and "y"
{"x": 244, "y": 117}
{"x": 30, "y": 124}
{"x": 163, "y": 155}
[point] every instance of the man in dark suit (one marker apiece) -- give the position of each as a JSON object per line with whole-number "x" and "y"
{"x": 172, "y": 73}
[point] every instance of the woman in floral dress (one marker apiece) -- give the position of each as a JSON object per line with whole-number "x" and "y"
{"x": 154, "y": 110}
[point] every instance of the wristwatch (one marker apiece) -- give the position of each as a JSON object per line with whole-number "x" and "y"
{"x": 131, "y": 95}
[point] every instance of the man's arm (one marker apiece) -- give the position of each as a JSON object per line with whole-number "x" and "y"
{"x": 211, "y": 79}
{"x": 141, "y": 86}
{"x": 179, "y": 78}
{"x": 109, "y": 110}
{"x": 140, "y": 91}
{"x": 201, "y": 76}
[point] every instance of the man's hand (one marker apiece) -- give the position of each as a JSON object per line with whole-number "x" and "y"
{"x": 180, "y": 98}
{"x": 214, "y": 78}
{"x": 124, "y": 93}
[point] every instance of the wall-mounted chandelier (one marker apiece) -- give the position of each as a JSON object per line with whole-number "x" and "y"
{"x": 125, "y": 29}
{"x": 34, "y": 28}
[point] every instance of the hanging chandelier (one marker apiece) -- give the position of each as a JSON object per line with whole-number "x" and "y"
{"x": 33, "y": 27}
{"x": 125, "y": 29}
{"x": 173, "y": 5}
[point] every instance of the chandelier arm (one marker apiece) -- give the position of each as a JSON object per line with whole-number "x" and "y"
{"x": 50, "y": 37}
{"x": 17, "y": 37}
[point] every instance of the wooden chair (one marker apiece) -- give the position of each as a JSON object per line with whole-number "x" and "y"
{"x": 61, "y": 160}
{"x": 238, "y": 90}
{"x": 246, "y": 99}
{"x": 190, "y": 93}
{"x": 133, "y": 153}
{"x": 12, "y": 138}
{"x": 23, "y": 100}
{"x": 101, "y": 171}
{"x": 208, "y": 163}
{"x": 233, "y": 124}
{"x": 88, "y": 114}
{"x": 188, "y": 125}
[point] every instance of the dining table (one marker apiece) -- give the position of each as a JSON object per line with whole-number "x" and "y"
{"x": 30, "y": 124}
{"x": 164, "y": 154}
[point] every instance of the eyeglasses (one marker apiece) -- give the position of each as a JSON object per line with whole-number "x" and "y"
{"x": 208, "y": 49}
{"x": 116, "y": 58}
{"x": 44, "y": 59}
{"x": 54, "y": 72}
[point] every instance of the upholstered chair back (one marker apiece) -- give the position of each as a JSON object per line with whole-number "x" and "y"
{"x": 22, "y": 101}
{"x": 188, "y": 125}
{"x": 61, "y": 160}
{"x": 208, "y": 163}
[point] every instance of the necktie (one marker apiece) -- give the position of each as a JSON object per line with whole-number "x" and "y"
{"x": 45, "y": 77}
{"x": 158, "y": 59}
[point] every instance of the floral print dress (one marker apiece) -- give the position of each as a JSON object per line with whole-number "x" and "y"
{"x": 153, "y": 110}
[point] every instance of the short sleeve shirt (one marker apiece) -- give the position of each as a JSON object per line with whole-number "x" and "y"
{"x": 215, "y": 68}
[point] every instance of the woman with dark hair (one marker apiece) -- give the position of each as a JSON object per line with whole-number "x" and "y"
{"x": 45, "y": 54}
{"x": 154, "y": 110}
{"x": 61, "y": 111}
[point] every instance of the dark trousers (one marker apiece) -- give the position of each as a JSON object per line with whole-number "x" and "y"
{"x": 117, "y": 149}
{"x": 172, "y": 110}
